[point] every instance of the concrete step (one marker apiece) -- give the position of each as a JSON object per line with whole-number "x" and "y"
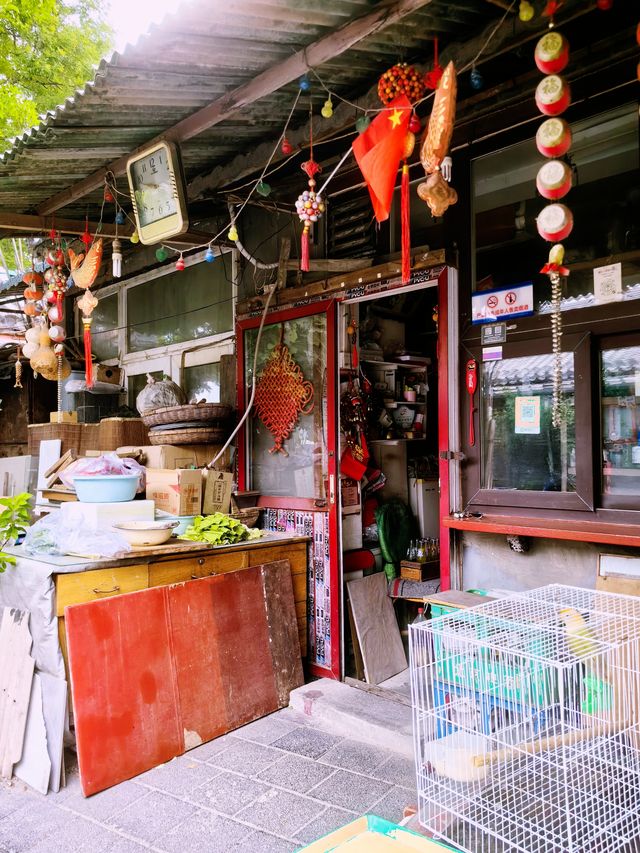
{"x": 347, "y": 711}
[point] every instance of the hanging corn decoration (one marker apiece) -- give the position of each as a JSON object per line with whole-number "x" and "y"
{"x": 18, "y": 383}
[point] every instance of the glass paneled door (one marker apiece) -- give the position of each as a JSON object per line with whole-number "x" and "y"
{"x": 287, "y": 452}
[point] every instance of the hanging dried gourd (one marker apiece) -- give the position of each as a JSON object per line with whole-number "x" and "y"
{"x": 435, "y": 191}
{"x": 282, "y": 394}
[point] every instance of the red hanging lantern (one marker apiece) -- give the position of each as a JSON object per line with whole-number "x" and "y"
{"x": 553, "y": 138}
{"x": 553, "y": 95}
{"x": 554, "y": 179}
{"x": 286, "y": 147}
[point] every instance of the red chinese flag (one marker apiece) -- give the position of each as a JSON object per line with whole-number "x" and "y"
{"x": 379, "y": 150}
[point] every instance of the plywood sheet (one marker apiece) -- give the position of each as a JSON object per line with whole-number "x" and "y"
{"x": 34, "y": 767}
{"x": 54, "y": 703}
{"x": 16, "y": 674}
{"x": 122, "y": 682}
{"x": 376, "y": 628}
{"x": 156, "y": 672}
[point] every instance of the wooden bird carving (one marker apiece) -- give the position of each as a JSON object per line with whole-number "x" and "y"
{"x": 435, "y": 191}
{"x": 84, "y": 269}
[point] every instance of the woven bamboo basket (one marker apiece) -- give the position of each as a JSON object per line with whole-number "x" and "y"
{"x": 193, "y": 435}
{"x": 206, "y": 412}
{"x": 248, "y": 516}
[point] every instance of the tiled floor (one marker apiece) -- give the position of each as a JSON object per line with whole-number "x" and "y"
{"x": 269, "y": 787}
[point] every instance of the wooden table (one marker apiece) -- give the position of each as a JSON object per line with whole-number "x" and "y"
{"x": 75, "y": 580}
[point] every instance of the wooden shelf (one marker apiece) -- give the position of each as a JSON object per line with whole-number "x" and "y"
{"x": 408, "y": 364}
{"x": 571, "y": 530}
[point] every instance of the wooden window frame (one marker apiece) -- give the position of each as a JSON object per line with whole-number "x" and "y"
{"x": 582, "y": 500}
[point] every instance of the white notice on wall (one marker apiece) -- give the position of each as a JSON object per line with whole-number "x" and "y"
{"x": 527, "y": 416}
{"x": 607, "y": 283}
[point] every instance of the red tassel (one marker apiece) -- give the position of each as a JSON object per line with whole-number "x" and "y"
{"x": 304, "y": 257}
{"x": 59, "y": 305}
{"x": 88, "y": 361}
{"x": 405, "y": 225}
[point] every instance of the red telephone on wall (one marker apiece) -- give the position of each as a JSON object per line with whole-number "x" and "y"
{"x": 472, "y": 384}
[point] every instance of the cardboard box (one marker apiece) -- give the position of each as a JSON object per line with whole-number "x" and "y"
{"x": 176, "y": 491}
{"x": 106, "y": 373}
{"x": 351, "y": 532}
{"x": 63, "y": 417}
{"x": 217, "y": 492}
{"x": 101, "y": 515}
{"x": 182, "y": 455}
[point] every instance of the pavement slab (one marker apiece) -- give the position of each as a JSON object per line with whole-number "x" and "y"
{"x": 203, "y": 831}
{"x": 267, "y": 729}
{"x": 228, "y": 792}
{"x": 330, "y": 819}
{"x": 281, "y": 812}
{"x": 107, "y": 803}
{"x": 152, "y": 816}
{"x": 309, "y": 742}
{"x": 398, "y": 770}
{"x": 295, "y": 773}
{"x": 391, "y": 805}
{"x": 179, "y": 776}
{"x": 358, "y": 757}
{"x": 245, "y": 757}
{"x": 350, "y": 791}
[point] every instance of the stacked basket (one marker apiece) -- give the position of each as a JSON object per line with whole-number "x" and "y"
{"x": 195, "y": 423}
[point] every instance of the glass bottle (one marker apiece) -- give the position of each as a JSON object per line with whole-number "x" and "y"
{"x": 421, "y": 556}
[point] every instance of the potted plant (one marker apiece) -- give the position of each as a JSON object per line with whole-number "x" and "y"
{"x": 14, "y": 518}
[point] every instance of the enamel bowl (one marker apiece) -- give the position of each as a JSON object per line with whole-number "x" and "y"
{"x": 144, "y": 533}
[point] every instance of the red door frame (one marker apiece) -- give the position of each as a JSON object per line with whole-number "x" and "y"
{"x": 444, "y": 380}
{"x": 327, "y": 307}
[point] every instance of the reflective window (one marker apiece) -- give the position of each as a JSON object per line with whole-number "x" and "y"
{"x": 301, "y": 472}
{"x": 521, "y": 450}
{"x": 202, "y": 382}
{"x": 620, "y": 401}
{"x": 104, "y": 329}
{"x": 180, "y": 306}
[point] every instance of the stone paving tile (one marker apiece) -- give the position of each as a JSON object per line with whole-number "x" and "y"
{"x": 280, "y": 812}
{"x": 179, "y": 776}
{"x": 207, "y": 750}
{"x": 295, "y": 773}
{"x": 105, "y": 804}
{"x": 83, "y": 836}
{"x": 350, "y": 791}
{"x": 264, "y": 842}
{"x": 355, "y": 756}
{"x": 391, "y": 806}
{"x": 266, "y": 730}
{"x": 245, "y": 757}
{"x": 203, "y": 831}
{"x": 30, "y": 824}
{"x": 325, "y": 823}
{"x": 151, "y": 816}
{"x": 13, "y": 797}
{"x": 398, "y": 770}
{"x": 308, "y": 742}
{"x": 227, "y": 792}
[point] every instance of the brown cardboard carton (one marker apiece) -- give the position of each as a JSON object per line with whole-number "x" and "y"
{"x": 217, "y": 492}
{"x": 177, "y": 491}
{"x": 181, "y": 455}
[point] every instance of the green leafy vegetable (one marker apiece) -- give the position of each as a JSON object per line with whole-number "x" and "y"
{"x": 219, "y": 529}
{"x": 14, "y": 518}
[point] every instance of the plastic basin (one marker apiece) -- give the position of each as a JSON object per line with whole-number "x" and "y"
{"x": 106, "y": 488}
{"x": 141, "y": 534}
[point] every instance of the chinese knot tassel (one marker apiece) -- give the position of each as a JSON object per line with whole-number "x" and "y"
{"x": 304, "y": 247}
{"x": 405, "y": 224}
{"x": 88, "y": 363}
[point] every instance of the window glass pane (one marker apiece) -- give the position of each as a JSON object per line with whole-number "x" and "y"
{"x": 604, "y": 199}
{"x": 104, "y": 329}
{"x": 620, "y": 378}
{"x": 202, "y": 382}
{"x": 136, "y": 383}
{"x": 521, "y": 450}
{"x": 180, "y": 306}
{"x": 302, "y": 472}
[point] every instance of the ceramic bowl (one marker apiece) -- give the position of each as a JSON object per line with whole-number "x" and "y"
{"x": 144, "y": 533}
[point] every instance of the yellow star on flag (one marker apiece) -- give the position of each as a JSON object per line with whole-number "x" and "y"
{"x": 395, "y": 118}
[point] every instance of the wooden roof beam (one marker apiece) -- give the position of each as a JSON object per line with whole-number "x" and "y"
{"x": 38, "y": 225}
{"x": 316, "y": 54}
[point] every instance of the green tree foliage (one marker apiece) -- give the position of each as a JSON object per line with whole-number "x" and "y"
{"x": 48, "y": 48}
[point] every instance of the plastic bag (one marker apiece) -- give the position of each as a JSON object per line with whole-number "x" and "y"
{"x": 108, "y": 463}
{"x": 51, "y": 535}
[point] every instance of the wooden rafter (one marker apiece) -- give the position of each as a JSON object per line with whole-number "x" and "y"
{"x": 316, "y": 54}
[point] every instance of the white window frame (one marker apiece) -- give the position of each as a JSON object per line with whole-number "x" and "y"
{"x": 167, "y": 358}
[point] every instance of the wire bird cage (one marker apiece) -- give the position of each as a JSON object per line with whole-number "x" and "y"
{"x": 527, "y": 723}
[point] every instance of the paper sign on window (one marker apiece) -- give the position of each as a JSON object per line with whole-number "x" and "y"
{"x": 607, "y": 283}
{"x": 527, "y": 419}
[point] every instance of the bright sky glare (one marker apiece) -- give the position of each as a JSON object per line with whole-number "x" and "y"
{"x": 131, "y": 18}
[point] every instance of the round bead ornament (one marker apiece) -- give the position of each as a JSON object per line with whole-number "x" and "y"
{"x": 119, "y": 220}
{"x": 55, "y": 314}
{"x": 57, "y": 334}
{"x": 233, "y": 234}
{"x": 210, "y": 255}
{"x": 180, "y": 264}
{"x": 161, "y": 254}
{"x": 304, "y": 84}
{"x": 476, "y": 80}
{"x": 135, "y": 237}
{"x": 108, "y": 195}
{"x": 263, "y": 189}
{"x": 362, "y": 123}
{"x": 553, "y": 95}
{"x": 555, "y": 222}
{"x": 327, "y": 109}
{"x": 401, "y": 79}
{"x": 286, "y": 147}
{"x": 553, "y": 138}
{"x": 554, "y": 179}
{"x": 415, "y": 125}
{"x": 58, "y": 349}
{"x": 552, "y": 53}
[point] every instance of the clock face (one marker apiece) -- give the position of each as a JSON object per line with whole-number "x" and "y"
{"x": 154, "y": 187}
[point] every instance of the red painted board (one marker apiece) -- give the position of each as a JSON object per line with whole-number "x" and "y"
{"x": 126, "y": 709}
{"x": 221, "y": 647}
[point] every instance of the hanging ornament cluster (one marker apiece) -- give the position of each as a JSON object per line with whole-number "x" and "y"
{"x": 401, "y": 79}
{"x": 309, "y": 204}
{"x": 84, "y": 271}
{"x": 553, "y": 182}
{"x": 436, "y": 191}
{"x": 433, "y": 77}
